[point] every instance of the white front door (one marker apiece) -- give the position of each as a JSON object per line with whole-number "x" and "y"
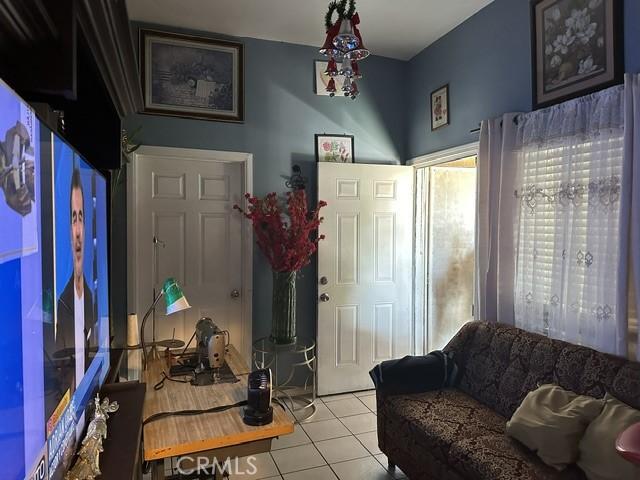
{"x": 365, "y": 267}
{"x": 184, "y": 199}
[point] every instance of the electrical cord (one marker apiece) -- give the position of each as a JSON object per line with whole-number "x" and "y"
{"x": 183, "y": 413}
{"x": 160, "y": 384}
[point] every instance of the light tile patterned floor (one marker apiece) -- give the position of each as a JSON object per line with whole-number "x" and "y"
{"x": 338, "y": 443}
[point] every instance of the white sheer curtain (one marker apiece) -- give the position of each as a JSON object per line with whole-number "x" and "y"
{"x": 553, "y": 218}
{"x": 569, "y": 244}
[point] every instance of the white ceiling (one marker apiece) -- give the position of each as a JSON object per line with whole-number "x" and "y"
{"x": 391, "y": 28}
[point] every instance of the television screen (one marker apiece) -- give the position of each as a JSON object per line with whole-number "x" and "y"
{"x": 54, "y": 299}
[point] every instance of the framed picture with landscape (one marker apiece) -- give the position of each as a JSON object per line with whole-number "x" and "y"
{"x": 576, "y": 48}
{"x": 334, "y": 148}
{"x": 189, "y": 76}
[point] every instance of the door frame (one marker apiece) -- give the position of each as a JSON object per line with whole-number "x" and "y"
{"x": 420, "y": 318}
{"x": 217, "y": 156}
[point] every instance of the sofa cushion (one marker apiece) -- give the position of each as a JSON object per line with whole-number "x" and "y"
{"x": 598, "y": 456}
{"x": 498, "y": 457}
{"x": 439, "y": 418}
{"x": 551, "y": 421}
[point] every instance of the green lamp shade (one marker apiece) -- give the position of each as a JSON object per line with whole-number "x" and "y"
{"x": 174, "y": 297}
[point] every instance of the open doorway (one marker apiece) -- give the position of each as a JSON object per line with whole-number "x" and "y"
{"x": 445, "y": 249}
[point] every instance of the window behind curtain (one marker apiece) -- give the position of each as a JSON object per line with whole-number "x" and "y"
{"x": 567, "y": 235}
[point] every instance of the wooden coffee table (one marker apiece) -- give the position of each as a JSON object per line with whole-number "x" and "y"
{"x": 188, "y": 435}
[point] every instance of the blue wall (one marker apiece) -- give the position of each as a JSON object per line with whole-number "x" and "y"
{"x": 486, "y": 62}
{"x": 282, "y": 114}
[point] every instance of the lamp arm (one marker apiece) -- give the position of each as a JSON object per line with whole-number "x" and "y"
{"x": 144, "y": 321}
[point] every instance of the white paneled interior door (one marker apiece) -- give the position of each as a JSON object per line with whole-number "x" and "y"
{"x": 185, "y": 199}
{"x": 365, "y": 267}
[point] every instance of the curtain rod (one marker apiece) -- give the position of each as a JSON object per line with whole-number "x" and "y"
{"x": 476, "y": 130}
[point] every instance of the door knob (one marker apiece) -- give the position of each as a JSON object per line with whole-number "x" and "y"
{"x": 235, "y": 293}
{"x": 324, "y": 297}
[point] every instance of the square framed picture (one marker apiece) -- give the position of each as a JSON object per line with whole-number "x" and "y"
{"x": 440, "y": 108}
{"x": 322, "y": 80}
{"x": 189, "y": 76}
{"x": 576, "y": 48}
{"x": 334, "y": 148}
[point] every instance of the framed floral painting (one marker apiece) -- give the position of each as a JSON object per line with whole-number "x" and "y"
{"x": 576, "y": 48}
{"x": 334, "y": 148}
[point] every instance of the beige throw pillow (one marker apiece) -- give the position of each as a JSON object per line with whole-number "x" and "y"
{"x": 598, "y": 456}
{"x": 551, "y": 420}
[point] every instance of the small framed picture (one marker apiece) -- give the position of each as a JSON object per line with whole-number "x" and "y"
{"x": 440, "y": 108}
{"x": 334, "y": 148}
{"x": 322, "y": 80}
{"x": 189, "y": 76}
{"x": 576, "y": 48}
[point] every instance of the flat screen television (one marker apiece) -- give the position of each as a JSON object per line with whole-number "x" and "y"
{"x": 54, "y": 297}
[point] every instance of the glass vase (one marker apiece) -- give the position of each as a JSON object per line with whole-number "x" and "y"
{"x": 283, "y": 308}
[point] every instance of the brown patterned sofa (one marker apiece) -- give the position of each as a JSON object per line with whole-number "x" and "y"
{"x": 459, "y": 433}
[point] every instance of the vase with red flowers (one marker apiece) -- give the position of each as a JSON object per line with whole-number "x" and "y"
{"x": 286, "y": 233}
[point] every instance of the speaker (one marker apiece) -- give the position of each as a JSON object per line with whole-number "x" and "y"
{"x": 259, "y": 411}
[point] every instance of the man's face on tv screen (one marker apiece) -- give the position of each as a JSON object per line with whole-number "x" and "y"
{"x": 77, "y": 230}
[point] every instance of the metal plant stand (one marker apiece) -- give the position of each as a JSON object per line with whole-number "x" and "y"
{"x": 296, "y": 364}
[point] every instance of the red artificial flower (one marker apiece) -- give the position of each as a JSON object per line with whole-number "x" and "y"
{"x": 286, "y": 236}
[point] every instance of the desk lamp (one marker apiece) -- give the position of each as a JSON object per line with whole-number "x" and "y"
{"x": 176, "y": 302}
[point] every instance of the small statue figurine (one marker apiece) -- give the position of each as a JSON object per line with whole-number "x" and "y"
{"x": 87, "y": 466}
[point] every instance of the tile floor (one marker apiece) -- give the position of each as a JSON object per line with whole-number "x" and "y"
{"x": 338, "y": 443}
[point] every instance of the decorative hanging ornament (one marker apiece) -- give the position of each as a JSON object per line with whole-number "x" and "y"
{"x": 359, "y": 52}
{"x": 328, "y": 49}
{"x": 344, "y": 44}
{"x": 346, "y": 86}
{"x": 331, "y": 87}
{"x": 346, "y": 40}
{"x": 356, "y": 70}
{"x": 346, "y": 69}
{"x": 354, "y": 90}
{"x": 332, "y": 68}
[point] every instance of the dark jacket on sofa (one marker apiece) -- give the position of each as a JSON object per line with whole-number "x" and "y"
{"x": 459, "y": 433}
{"x": 415, "y": 374}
